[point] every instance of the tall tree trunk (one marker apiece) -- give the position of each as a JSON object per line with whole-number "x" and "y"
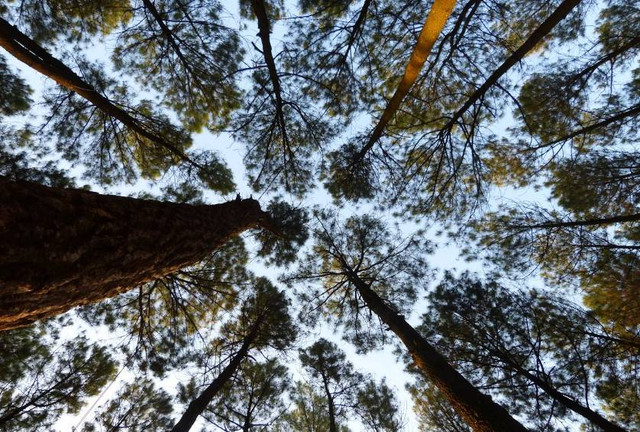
{"x": 587, "y": 222}
{"x": 532, "y": 41}
{"x": 433, "y": 25}
{"x": 479, "y": 411}
{"x": 29, "y": 52}
{"x": 332, "y": 410}
{"x": 626, "y": 114}
{"x": 198, "y": 405}
{"x": 592, "y": 416}
{"x": 61, "y": 248}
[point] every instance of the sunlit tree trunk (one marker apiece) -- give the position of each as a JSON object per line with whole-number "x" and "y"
{"x": 61, "y": 248}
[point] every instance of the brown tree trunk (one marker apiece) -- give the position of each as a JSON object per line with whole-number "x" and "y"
{"x": 332, "y": 411}
{"x": 587, "y": 222}
{"x": 592, "y": 416}
{"x": 198, "y": 405}
{"x": 532, "y": 41}
{"x": 60, "y": 248}
{"x": 433, "y": 25}
{"x": 30, "y": 53}
{"x": 264, "y": 27}
{"x": 479, "y": 411}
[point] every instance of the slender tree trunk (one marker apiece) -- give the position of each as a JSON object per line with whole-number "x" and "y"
{"x": 618, "y": 117}
{"x": 60, "y": 248}
{"x": 587, "y": 222}
{"x": 29, "y": 52}
{"x": 264, "y": 29}
{"x": 332, "y": 410}
{"x": 479, "y": 411}
{"x": 198, "y": 405}
{"x": 357, "y": 27}
{"x": 534, "y": 39}
{"x": 433, "y": 25}
{"x": 571, "y": 404}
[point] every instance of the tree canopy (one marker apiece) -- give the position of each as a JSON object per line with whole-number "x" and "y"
{"x": 454, "y": 184}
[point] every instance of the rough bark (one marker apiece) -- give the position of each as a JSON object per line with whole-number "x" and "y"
{"x": 198, "y": 405}
{"x": 479, "y": 411}
{"x": 60, "y": 248}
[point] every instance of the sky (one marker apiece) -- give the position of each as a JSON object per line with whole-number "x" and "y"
{"x": 380, "y": 364}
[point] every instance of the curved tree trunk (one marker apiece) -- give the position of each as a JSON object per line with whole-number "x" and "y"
{"x": 479, "y": 411}
{"x": 60, "y": 248}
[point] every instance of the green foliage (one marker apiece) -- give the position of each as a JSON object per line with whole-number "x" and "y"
{"x": 347, "y": 176}
{"x": 21, "y": 159}
{"x": 138, "y": 407}
{"x": 345, "y": 392}
{"x": 281, "y": 136}
{"x": 612, "y": 288}
{"x": 307, "y": 413}
{"x": 601, "y": 183}
{"x": 518, "y": 345}
{"x": 365, "y": 246}
{"x": 268, "y": 308}
{"x": 290, "y": 225}
{"x": 166, "y": 320}
{"x": 14, "y": 92}
{"x": 564, "y": 119}
{"x": 186, "y": 53}
{"x": 433, "y": 412}
{"x": 42, "y": 377}
{"x": 49, "y": 20}
{"x": 111, "y": 150}
{"x": 253, "y": 399}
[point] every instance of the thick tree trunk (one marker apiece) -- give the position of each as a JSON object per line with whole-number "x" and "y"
{"x": 198, "y": 405}
{"x": 60, "y": 248}
{"x": 479, "y": 411}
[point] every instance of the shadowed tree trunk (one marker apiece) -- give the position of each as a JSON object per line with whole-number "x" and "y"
{"x": 586, "y": 412}
{"x": 479, "y": 411}
{"x": 332, "y": 411}
{"x": 60, "y": 248}
{"x": 30, "y": 53}
{"x": 198, "y": 405}
{"x": 532, "y": 41}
